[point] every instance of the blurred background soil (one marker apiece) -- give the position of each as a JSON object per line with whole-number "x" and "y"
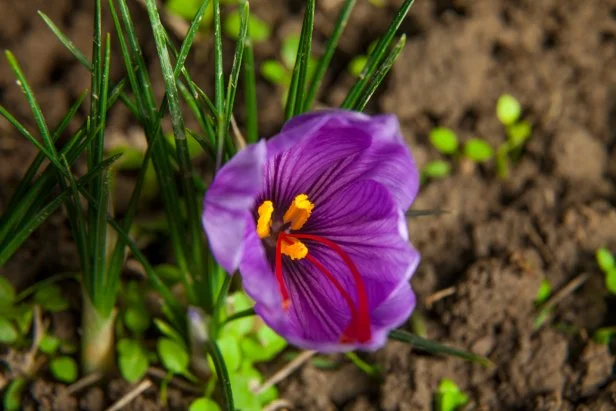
{"x": 500, "y": 239}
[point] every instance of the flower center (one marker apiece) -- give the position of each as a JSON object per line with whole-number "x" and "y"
{"x": 290, "y": 244}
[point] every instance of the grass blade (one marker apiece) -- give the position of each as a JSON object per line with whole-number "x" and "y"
{"x": 297, "y": 90}
{"x": 66, "y": 41}
{"x": 436, "y": 348}
{"x": 250, "y": 93}
{"x": 20, "y": 235}
{"x": 237, "y": 65}
{"x": 222, "y": 373}
{"x": 379, "y": 75}
{"x": 376, "y": 56}
{"x": 330, "y": 48}
{"x": 218, "y": 86}
{"x": 189, "y": 38}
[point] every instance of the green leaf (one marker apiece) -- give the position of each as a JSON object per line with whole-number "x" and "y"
{"x": 275, "y": 73}
{"x": 222, "y": 374}
{"x": 50, "y": 298}
{"x": 64, "y": 369}
{"x": 137, "y": 319}
{"x": 502, "y": 161}
{"x": 357, "y": 65}
{"x": 449, "y": 397}
{"x": 544, "y": 292}
{"x": 610, "y": 280}
{"x": 8, "y": 331}
{"x": 518, "y": 133}
{"x": 167, "y": 330}
{"x": 173, "y": 355}
{"x": 242, "y": 383}
{"x": 7, "y": 293}
{"x": 604, "y": 335}
{"x": 478, "y": 150}
{"x": 203, "y": 404}
{"x": 288, "y": 51}
{"x": 259, "y": 30}
{"x": 230, "y": 349}
{"x": 605, "y": 259}
{"x": 508, "y": 109}
{"x": 436, "y": 169}
{"x": 436, "y": 348}
{"x": 444, "y": 140}
{"x": 132, "y": 360}
{"x": 49, "y": 344}
{"x": 267, "y": 345}
{"x": 170, "y": 274}
{"x": 12, "y": 394}
{"x": 24, "y": 319}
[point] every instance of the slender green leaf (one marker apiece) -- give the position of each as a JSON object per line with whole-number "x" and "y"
{"x": 375, "y": 58}
{"x": 223, "y": 375}
{"x": 379, "y": 75}
{"x": 436, "y": 348}
{"x": 237, "y": 65}
{"x": 330, "y": 48}
{"x": 297, "y": 89}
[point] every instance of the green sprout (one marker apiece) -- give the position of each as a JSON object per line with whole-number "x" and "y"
{"x": 132, "y": 359}
{"x": 544, "y": 292}
{"x": 444, "y": 140}
{"x": 435, "y": 169}
{"x": 607, "y": 263}
{"x": 478, "y": 150}
{"x": 509, "y": 112}
{"x": 449, "y": 397}
{"x": 64, "y": 369}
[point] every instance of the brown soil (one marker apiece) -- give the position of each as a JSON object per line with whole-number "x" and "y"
{"x": 501, "y": 237}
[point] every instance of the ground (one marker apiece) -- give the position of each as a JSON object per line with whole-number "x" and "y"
{"x": 500, "y": 237}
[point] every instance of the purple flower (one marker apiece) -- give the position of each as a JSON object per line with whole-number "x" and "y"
{"x": 314, "y": 220}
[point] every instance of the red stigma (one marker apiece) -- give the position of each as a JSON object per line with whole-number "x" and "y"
{"x": 359, "y": 327}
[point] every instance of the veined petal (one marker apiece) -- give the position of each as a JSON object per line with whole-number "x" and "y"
{"x": 335, "y": 148}
{"x": 229, "y": 202}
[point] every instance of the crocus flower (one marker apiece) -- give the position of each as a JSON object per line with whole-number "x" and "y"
{"x": 314, "y": 219}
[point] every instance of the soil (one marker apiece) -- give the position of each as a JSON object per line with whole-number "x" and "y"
{"x": 500, "y": 237}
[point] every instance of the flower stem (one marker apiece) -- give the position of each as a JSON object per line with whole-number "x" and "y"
{"x": 97, "y": 343}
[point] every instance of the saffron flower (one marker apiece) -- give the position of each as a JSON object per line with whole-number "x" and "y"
{"x": 314, "y": 219}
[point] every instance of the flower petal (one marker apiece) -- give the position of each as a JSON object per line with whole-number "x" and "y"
{"x": 229, "y": 202}
{"x": 334, "y": 148}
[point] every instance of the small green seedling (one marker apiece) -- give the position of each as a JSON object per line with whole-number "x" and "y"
{"x": 478, "y": 150}
{"x": 13, "y": 393}
{"x": 435, "y": 169}
{"x": 132, "y": 359}
{"x": 607, "y": 263}
{"x": 64, "y": 369}
{"x": 604, "y": 335}
{"x": 508, "y": 109}
{"x": 449, "y": 397}
{"x": 204, "y": 404}
{"x": 444, "y": 140}
{"x": 509, "y": 112}
{"x": 544, "y": 292}
{"x": 51, "y": 298}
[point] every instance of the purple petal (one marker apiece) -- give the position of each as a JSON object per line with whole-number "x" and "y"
{"x": 229, "y": 202}
{"x": 335, "y": 148}
{"x": 364, "y": 220}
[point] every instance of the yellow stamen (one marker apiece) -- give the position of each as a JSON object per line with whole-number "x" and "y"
{"x": 298, "y": 212}
{"x": 296, "y": 250}
{"x": 264, "y": 223}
